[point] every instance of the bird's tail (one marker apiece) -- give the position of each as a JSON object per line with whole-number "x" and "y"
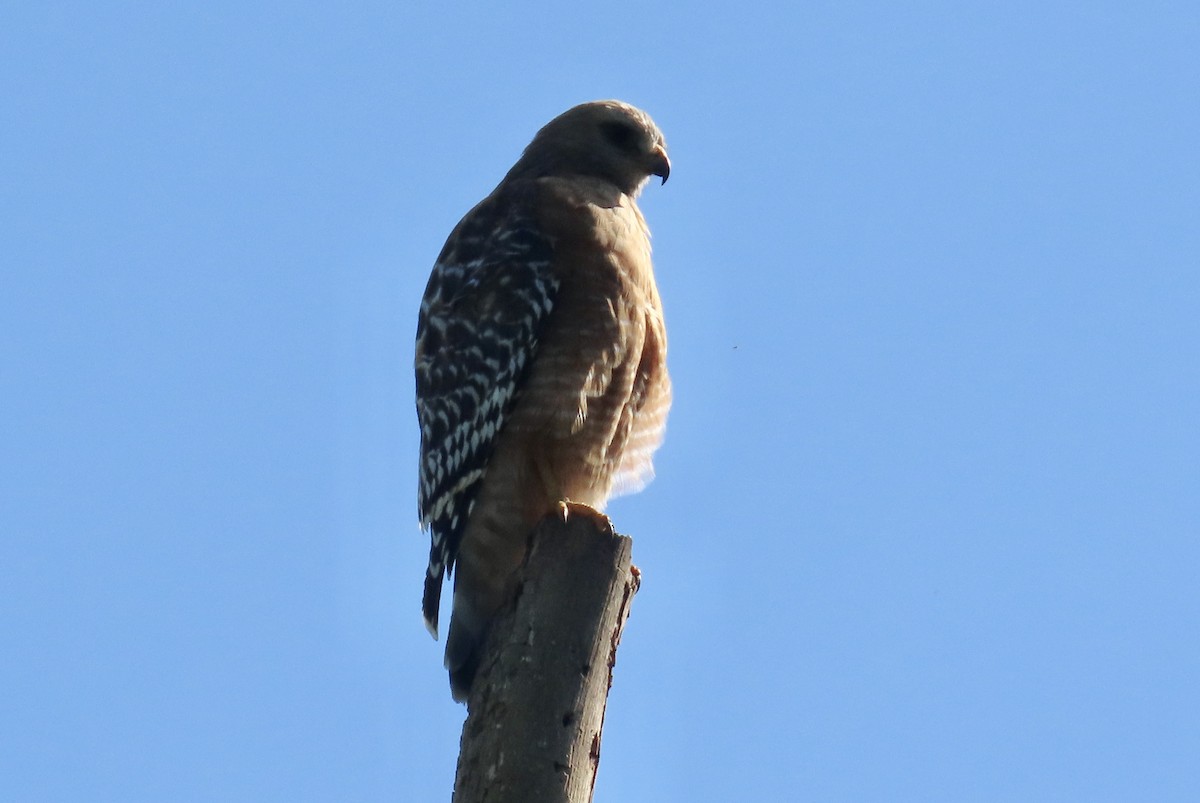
{"x": 484, "y": 578}
{"x": 464, "y": 646}
{"x": 432, "y": 599}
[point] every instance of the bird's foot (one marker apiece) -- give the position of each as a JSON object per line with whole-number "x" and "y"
{"x": 568, "y": 509}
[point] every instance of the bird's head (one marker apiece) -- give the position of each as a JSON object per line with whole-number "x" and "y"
{"x": 604, "y": 139}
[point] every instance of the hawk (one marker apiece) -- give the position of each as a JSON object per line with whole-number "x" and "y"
{"x": 540, "y": 360}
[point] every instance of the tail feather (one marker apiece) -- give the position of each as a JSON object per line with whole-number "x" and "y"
{"x": 464, "y": 647}
{"x": 432, "y": 600}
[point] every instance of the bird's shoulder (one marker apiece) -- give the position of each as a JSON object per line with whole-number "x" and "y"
{"x": 544, "y": 226}
{"x": 555, "y": 206}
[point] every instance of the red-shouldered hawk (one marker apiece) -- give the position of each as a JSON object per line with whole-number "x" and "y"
{"x": 540, "y": 360}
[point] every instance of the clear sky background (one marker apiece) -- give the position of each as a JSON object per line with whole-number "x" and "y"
{"x": 926, "y": 519}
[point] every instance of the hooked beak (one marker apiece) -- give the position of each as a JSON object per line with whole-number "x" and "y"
{"x": 660, "y": 165}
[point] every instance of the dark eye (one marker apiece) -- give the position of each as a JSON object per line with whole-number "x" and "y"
{"x": 622, "y": 135}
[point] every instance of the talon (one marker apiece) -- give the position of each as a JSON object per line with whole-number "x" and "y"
{"x": 601, "y": 521}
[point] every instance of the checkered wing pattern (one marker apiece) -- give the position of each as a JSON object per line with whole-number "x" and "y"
{"x": 488, "y": 297}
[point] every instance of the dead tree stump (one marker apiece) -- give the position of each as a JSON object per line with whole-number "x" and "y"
{"x": 536, "y": 709}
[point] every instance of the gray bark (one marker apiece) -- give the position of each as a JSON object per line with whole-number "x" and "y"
{"x": 536, "y": 709}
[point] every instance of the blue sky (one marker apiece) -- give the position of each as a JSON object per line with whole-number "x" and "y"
{"x": 926, "y": 520}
